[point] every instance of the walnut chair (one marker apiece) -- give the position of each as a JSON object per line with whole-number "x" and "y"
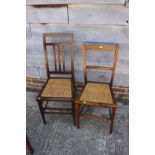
{"x": 29, "y": 145}
{"x": 97, "y": 94}
{"x": 60, "y": 79}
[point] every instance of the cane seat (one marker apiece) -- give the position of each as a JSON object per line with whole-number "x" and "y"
{"x": 57, "y": 88}
{"x": 97, "y": 92}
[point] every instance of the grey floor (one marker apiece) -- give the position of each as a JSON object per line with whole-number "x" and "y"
{"x": 60, "y": 137}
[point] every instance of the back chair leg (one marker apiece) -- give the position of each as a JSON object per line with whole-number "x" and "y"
{"x": 41, "y": 111}
{"x": 78, "y": 114}
{"x": 73, "y": 111}
{"x": 110, "y": 112}
{"x": 112, "y": 119}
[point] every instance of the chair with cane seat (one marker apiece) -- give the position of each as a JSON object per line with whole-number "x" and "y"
{"x": 60, "y": 79}
{"x": 97, "y": 94}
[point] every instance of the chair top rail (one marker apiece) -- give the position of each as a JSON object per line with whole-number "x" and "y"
{"x": 58, "y": 43}
{"x": 108, "y": 47}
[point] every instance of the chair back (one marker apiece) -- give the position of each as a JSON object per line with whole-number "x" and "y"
{"x": 58, "y": 48}
{"x": 100, "y": 48}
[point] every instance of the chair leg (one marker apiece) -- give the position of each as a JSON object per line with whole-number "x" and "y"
{"x": 73, "y": 111}
{"x": 41, "y": 111}
{"x": 28, "y": 144}
{"x": 78, "y": 115}
{"x": 110, "y": 112}
{"x": 112, "y": 119}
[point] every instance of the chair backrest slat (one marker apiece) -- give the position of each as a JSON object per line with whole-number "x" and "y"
{"x": 99, "y": 67}
{"x": 59, "y": 53}
{"x": 59, "y": 59}
{"x": 63, "y": 57}
{"x": 101, "y": 48}
{"x": 54, "y": 55}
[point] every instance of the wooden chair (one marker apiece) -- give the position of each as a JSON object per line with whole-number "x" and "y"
{"x": 60, "y": 83}
{"x": 96, "y": 93}
{"x": 28, "y": 145}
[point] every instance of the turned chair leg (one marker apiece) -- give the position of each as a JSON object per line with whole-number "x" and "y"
{"x": 41, "y": 111}
{"x": 73, "y": 111}
{"x": 112, "y": 119}
{"x": 28, "y": 144}
{"x": 78, "y": 115}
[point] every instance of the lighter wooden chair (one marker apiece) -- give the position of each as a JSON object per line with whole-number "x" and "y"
{"x": 96, "y": 93}
{"x": 60, "y": 80}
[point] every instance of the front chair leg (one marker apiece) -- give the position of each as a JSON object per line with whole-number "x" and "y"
{"x": 78, "y": 114}
{"x": 73, "y": 112}
{"x": 41, "y": 111}
{"x": 112, "y": 119}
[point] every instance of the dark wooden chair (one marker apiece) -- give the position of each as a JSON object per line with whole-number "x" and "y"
{"x": 97, "y": 94}
{"x": 28, "y": 145}
{"x": 60, "y": 82}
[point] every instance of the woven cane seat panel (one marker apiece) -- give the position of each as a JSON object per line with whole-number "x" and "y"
{"x": 96, "y": 92}
{"x": 57, "y": 88}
